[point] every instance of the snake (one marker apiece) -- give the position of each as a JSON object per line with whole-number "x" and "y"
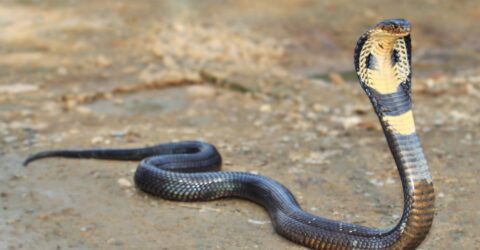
{"x": 190, "y": 170}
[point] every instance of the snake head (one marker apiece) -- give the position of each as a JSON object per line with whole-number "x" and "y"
{"x": 391, "y": 27}
{"x": 383, "y": 64}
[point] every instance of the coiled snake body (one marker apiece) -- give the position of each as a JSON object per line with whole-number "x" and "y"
{"x": 186, "y": 171}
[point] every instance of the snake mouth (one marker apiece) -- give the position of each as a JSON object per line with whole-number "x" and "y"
{"x": 391, "y": 27}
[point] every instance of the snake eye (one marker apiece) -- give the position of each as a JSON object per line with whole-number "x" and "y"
{"x": 395, "y": 57}
{"x": 371, "y": 62}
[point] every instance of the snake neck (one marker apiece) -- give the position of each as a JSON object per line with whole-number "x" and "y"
{"x": 397, "y": 121}
{"x": 394, "y": 109}
{"x": 418, "y": 211}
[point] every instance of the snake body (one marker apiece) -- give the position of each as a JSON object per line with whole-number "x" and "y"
{"x": 188, "y": 171}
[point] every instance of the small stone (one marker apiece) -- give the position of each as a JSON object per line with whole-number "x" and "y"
{"x": 17, "y": 88}
{"x": 323, "y": 130}
{"x": 97, "y": 140}
{"x": 266, "y": 108}
{"x": 43, "y": 217}
{"x": 118, "y": 134}
{"x": 258, "y": 123}
{"x": 258, "y": 222}
{"x": 83, "y": 110}
{"x": 336, "y": 78}
{"x": 124, "y": 183}
{"x": 87, "y": 228}
{"x": 390, "y": 180}
{"x": 319, "y": 107}
{"x": 319, "y": 157}
{"x": 295, "y": 156}
{"x": 246, "y": 149}
{"x": 311, "y": 115}
{"x": 118, "y": 101}
{"x": 10, "y": 139}
{"x": 38, "y": 126}
{"x": 62, "y": 71}
{"x": 97, "y": 175}
{"x": 204, "y": 91}
{"x": 369, "y": 125}
{"x": 441, "y": 195}
{"x": 115, "y": 242}
{"x": 349, "y": 122}
{"x": 286, "y": 139}
{"x": 376, "y": 182}
{"x": 459, "y": 116}
{"x": 103, "y": 61}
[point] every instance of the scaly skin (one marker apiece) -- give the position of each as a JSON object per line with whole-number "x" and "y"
{"x": 186, "y": 171}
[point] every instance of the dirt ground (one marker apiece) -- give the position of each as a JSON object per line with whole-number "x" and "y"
{"x": 270, "y": 83}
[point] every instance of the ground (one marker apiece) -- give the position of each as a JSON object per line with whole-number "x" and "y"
{"x": 270, "y": 83}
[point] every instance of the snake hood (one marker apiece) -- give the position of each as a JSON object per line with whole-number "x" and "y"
{"x": 382, "y": 61}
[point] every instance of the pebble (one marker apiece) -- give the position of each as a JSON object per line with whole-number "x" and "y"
{"x": 266, "y": 108}
{"x": 103, "y": 61}
{"x": 118, "y": 134}
{"x": 17, "y": 88}
{"x": 319, "y": 157}
{"x": 10, "y": 139}
{"x": 390, "y": 180}
{"x": 97, "y": 175}
{"x": 336, "y": 78}
{"x": 113, "y": 241}
{"x": 258, "y": 222}
{"x": 38, "y": 126}
{"x": 349, "y": 122}
{"x": 459, "y": 116}
{"x": 87, "y": 228}
{"x": 286, "y": 139}
{"x": 83, "y": 110}
{"x": 320, "y": 108}
{"x": 376, "y": 182}
{"x": 204, "y": 91}
{"x": 322, "y": 129}
{"x": 124, "y": 183}
{"x": 62, "y": 71}
{"x": 97, "y": 140}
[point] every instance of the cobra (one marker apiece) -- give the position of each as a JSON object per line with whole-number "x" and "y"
{"x": 188, "y": 171}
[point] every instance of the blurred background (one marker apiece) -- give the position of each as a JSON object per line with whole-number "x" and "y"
{"x": 271, "y": 83}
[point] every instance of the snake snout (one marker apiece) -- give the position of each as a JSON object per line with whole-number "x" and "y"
{"x": 397, "y": 27}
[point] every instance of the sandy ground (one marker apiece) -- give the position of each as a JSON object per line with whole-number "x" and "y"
{"x": 270, "y": 83}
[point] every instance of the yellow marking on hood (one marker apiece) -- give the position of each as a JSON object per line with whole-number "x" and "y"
{"x": 401, "y": 124}
{"x": 385, "y": 78}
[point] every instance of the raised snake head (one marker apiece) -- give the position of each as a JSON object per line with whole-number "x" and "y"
{"x": 383, "y": 65}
